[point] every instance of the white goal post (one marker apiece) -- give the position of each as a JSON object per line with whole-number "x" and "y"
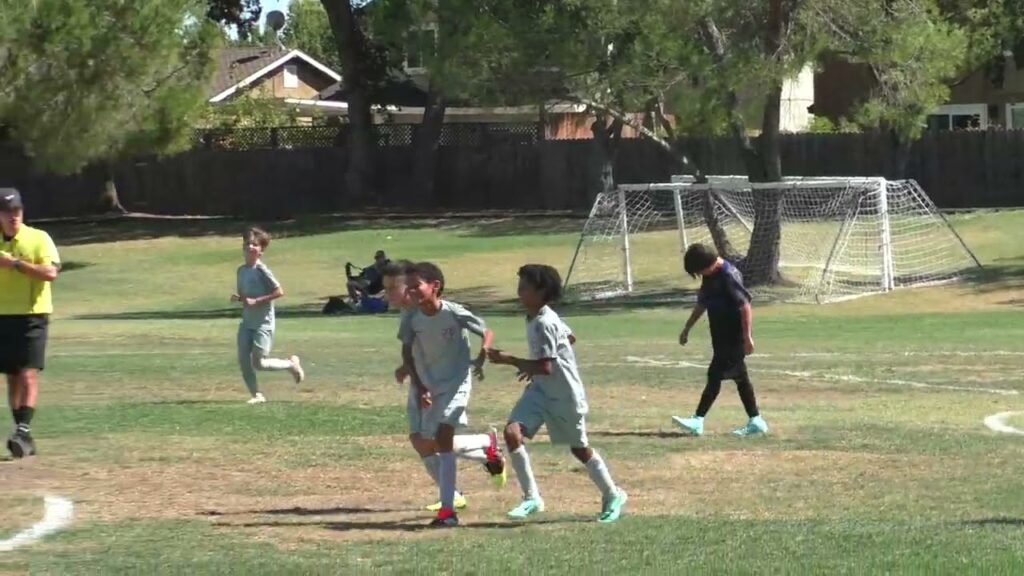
{"x": 838, "y": 238}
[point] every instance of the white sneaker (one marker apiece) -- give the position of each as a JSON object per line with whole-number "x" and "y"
{"x": 258, "y": 398}
{"x": 297, "y": 372}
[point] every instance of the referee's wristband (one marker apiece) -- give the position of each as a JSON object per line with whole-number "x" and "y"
{"x": 17, "y": 265}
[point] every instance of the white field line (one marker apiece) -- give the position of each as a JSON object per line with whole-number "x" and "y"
{"x": 57, "y": 514}
{"x": 653, "y": 362}
{"x": 904, "y": 354}
{"x": 997, "y": 423}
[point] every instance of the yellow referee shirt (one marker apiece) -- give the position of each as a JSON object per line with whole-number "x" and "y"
{"x": 19, "y": 294}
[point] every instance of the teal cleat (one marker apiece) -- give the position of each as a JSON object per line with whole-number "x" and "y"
{"x": 612, "y": 509}
{"x": 526, "y": 508}
{"x": 694, "y": 425}
{"x": 756, "y": 426}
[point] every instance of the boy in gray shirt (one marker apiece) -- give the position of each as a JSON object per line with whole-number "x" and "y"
{"x": 436, "y": 356}
{"x": 257, "y": 288}
{"x": 554, "y": 396}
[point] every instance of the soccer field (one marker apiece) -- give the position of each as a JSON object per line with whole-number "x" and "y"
{"x": 878, "y": 459}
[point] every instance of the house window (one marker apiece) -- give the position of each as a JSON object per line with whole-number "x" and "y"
{"x": 1016, "y": 116}
{"x": 420, "y": 45}
{"x": 959, "y": 117}
{"x": 291, "y": 76}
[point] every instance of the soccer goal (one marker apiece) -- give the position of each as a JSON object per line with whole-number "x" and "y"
{"x": 838, "y": 238}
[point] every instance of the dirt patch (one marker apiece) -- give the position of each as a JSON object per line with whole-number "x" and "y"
{"x": 367, "y": 501}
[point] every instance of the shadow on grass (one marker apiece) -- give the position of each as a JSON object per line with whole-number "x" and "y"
{"x": 661, "y": 434}
{"x": 301, "y": 311}
{"x": 998, "y": 277}
{"x": 71, "y": 265}
{"x": 118, "y": 228}
{"x": 411, "y": 524}
{"x": 301, "y": 511}
{"x": 996, "y": 522}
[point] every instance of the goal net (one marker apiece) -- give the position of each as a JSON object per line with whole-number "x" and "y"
{"x": 838, "y": 238}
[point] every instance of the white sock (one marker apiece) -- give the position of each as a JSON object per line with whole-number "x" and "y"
{"x": 447, "y": 480}
{"x": 599, "y": 474}
{"x": 273, "y": 364}
{"x": 524, "y": 473}
{"x": 472, "y": 446}
{"x": 433, "y": 465}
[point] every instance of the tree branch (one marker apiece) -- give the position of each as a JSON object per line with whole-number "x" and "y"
{"x": 688, "y": 165}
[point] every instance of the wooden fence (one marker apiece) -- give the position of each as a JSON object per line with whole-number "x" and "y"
{"x": 957, "y": 169}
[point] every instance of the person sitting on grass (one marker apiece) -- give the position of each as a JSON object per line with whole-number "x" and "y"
{"x": 369, "y": 281}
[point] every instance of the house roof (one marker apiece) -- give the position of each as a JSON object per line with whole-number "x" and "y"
{"x": 240, "y": 67}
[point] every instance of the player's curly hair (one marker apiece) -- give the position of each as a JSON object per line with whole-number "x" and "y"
{"x": 428, "y": 272}
{"x": 698, "y": 257}
{"x": 543, "y": 278}
{"x": 257, "y": 235}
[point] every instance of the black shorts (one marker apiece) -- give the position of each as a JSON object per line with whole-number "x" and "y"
{"x": 729, "y": 365}
{"x": 23, "y": 342}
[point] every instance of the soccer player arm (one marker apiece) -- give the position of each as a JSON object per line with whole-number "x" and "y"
{"x": 45, "y": 265}
{"x": 698, "y": 311}
{"x": 41, "y": 272}
{"x": 747, "y": 320}
{"x": 409, "y": 364}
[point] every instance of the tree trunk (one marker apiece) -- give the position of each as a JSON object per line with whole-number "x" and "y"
{"x": 761, "y": 266}
{"x": 900, "y": 156}
{"x": 427, "y": 140}
{"x": 762, "y": 160}
{"x": 603, "y": 154}
{"x": 351, "y": 43}
{"x": 109, "y": 202}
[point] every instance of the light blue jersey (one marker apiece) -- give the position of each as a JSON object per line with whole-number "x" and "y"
{"x": 255, "y": 282}
{"x": 548, "y": 337}
{"x": 440, "y": 345}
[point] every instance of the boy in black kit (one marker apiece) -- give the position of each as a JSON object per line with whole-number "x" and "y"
{"x": 727, "y": 303}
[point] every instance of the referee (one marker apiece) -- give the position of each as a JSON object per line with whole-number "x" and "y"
{"x": 28, "y": 264}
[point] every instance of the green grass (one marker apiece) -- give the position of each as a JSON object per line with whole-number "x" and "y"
{"x": 878, "y": 461}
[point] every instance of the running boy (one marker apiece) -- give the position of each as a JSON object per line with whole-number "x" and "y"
{"x": 436, "y": 356}
{"x": 481, "y": 448}
{"x": 554, "y": 395}
{"x": 727, "y": 303}
{"x": 256, "y": 290}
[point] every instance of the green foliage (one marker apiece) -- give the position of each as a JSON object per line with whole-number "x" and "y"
{"x": 309, "y": 30}
{"x": 94, "y": 79}
{"x": 240, "y": 15}
{"x": 822, "y": 125}
{"x": 246, "y": 112}
{"x": 913, "y": 52}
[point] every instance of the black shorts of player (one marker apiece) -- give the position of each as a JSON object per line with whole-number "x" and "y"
{"x": 23, "y": 342}
{"x": 728, "y": 365}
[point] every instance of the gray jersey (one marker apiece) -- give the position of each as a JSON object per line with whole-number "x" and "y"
{"x": 548, "y": 337}
{"x": 255, "y": 282}
{"x": 440, "y": 345}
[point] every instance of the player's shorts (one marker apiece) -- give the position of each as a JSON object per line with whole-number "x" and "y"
{"x": 414, "y": 415}
{"x": 249, "y": 338}
{"x": 448, "y": 407}
{"x": 23, "y": 342}
{"x": 566, "y": 425}
{"x": 727, "y": 366}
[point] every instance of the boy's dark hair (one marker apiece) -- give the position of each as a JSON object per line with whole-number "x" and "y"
{"x": 543, "y": 278}
{"x": 428, "y": 272}
{"x": 395, "y": 269}
{"x": 257, "y": 235}
{"x": 698, "y": 257}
